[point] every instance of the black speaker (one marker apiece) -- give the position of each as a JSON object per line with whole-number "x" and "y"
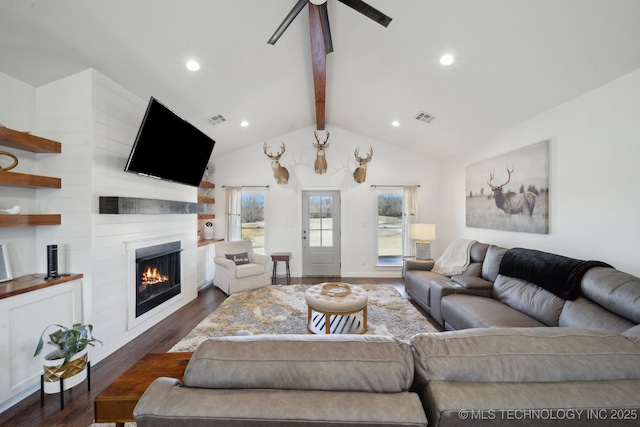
{"x": 52, "y": 261}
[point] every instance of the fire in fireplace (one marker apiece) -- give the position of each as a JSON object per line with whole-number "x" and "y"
{"x": 157, "y": 275}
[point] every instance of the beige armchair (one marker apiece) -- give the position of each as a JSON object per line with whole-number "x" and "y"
{"x": 250, "y": 270}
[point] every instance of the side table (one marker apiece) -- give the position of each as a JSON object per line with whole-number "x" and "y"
{"x": 280, "y": 256}
{"x": 116, "y": 402}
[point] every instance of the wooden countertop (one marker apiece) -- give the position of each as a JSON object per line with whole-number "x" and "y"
{"x": 204, "y": 242}
{"x": 32, "y": 282}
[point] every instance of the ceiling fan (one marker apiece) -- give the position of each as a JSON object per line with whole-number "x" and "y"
{"x": 358, "y": 5}
{"x": 321, "y": 43}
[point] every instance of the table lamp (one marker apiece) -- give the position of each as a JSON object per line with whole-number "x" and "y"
{"x": 422, "y": 233}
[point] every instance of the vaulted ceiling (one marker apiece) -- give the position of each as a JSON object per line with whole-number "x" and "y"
{"x": 513, "y": 60}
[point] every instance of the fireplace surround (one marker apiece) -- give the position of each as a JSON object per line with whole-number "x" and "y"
{"x": 157, "y": 275}
{"x": 149, "y": 295}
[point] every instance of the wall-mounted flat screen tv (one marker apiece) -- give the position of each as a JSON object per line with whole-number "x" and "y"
{"x": 170, "y": 148}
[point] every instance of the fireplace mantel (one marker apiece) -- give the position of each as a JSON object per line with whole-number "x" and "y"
{"x": 134, "y": 205}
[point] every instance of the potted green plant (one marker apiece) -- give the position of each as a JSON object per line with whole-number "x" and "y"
{"x": 69, "y": 359}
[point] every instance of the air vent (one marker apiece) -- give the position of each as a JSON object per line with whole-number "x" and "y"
{"x": 424, "y": 117}
{"x": 216, "y": 120}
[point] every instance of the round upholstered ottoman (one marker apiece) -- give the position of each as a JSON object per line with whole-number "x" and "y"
{"x": 337, "y": 307}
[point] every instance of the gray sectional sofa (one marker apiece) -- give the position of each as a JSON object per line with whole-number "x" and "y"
{"x": 540, "y": 376}
{"x": 486, "y": 376}
{"x": 563, "y": 352}
{"x": 289, "y": 380}
{"x": 485, "y": 295}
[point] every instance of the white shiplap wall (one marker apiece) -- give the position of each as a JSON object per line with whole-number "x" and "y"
{"x": 96, "y": 120}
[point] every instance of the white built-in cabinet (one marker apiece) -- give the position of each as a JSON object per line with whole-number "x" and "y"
{"x": 206, "y": 266}
{"x": 23, "y": 317}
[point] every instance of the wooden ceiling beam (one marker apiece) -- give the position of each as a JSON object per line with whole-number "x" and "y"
{"x": 319, "y": 63}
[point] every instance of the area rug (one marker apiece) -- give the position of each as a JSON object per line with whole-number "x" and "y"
{"x": 112, "y": 425}
{"x": 281, "y": 309}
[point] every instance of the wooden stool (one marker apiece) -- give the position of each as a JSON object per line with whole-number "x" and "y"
{"x": 280, "y": 256}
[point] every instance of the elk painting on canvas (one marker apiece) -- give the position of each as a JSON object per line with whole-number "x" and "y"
{"x": 511, "y": 191}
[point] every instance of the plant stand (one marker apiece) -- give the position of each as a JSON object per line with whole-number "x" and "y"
{"x": 67, "y": 376}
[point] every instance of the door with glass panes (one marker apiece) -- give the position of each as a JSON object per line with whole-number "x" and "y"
{"x": 321, "y": 233}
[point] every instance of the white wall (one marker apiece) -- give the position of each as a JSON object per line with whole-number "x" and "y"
{"x": 594, "y": 174}
{"x": 118, "y": 114}
{"x": 96, "y": 121}
{"x": 390, "y": 166}
{"x": 17, "y": 111}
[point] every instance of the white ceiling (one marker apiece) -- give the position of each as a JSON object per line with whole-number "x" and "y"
{"x": 514, "y": 60}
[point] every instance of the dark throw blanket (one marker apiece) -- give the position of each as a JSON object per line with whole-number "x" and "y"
{"x": 555, "y": 273}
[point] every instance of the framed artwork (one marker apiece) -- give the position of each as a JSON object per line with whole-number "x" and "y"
{"x": 511, "y": 191}
{"x": 5, "y": 267}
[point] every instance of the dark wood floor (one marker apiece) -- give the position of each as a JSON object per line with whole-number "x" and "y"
{"x": 78, "y": 409}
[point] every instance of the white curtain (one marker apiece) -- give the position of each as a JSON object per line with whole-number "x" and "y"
{"x": 234, "y": 214}
{"x": 409, "y": 216}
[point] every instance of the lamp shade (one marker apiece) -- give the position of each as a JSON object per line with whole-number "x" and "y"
{"x": 422, "y": 231}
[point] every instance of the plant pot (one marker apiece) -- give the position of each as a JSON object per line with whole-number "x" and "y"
{"x": 72, "y": 373}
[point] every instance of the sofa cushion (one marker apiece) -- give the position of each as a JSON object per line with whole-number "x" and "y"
{"x": 528, "y": 298}
{"x": 304, "y": 362}
{"x": 167, "y": 404}
{"x": 633, "y": 333}
{"x": 583, "y": 313}
{"x": 587, "y": 404}
{"x": 478, "y": 252}
{"x": 470, "y": 282}
{"x": 491, "y": 264}
{"x": 462, "y": 311}
{"x": 246, "y": 270}
{"x": 615, "y": 290}
{"x": 526, "y": 355}
{"x": 473, "y": 270}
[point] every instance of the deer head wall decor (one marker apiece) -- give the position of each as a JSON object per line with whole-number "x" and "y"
{"x": 280, "y": 173}
{"x": 321, "y": 160}
{"x": 360, "y": 174}
{"x": 511, "y": 202}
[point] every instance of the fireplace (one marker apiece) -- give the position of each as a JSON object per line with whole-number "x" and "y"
{"x": 157, "y": 275}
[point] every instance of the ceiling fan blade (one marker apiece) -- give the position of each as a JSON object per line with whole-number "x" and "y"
{"x": 287, "y": 21}
{"x": 326, "y": 30}
{"x": 368, "y": 11}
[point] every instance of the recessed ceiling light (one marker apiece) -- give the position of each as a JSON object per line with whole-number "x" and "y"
{"x": 447, "y": 59}
{"x": 395, "y": 123}
{"x": 193, "y": 65}
{"x": 244, "y": 123}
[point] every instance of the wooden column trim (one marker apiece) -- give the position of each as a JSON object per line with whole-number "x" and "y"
{"x": 319, "y": 63}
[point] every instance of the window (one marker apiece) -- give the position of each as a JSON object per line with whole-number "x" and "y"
{"x": 321, "y": 221}
{"x": 253, "y": 219}
{"x": 390, "y": 228}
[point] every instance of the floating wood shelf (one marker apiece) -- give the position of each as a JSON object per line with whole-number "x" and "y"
{"x": 29, "y": 220}
{"x": 204, "y": 242}
{"x": 26, "y": 141}
{"x": 132, "y": 205}
{"x": 35, "y": 144}
{"x": 206, "y": 216}
{"x": 15, "y": 179}
{"x": 207, "y": 184}
{"x": 204, "y": 199}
